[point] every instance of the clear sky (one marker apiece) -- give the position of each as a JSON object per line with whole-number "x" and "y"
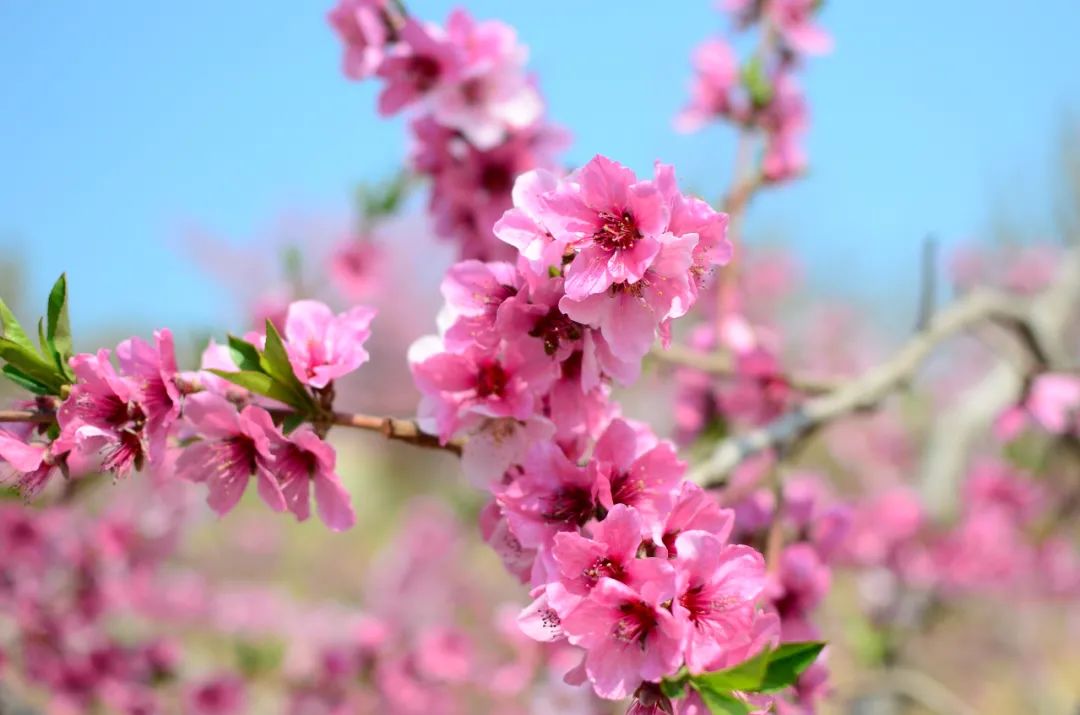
{"x": 123, "y": 121}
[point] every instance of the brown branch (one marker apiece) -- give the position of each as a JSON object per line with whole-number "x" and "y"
{"x": 395, "y": 429}
{"x": 32, "y": 416}
{"x": 873, "y": 386}
{"x": 721, "y": 364}
{"x": 389, "y": 427}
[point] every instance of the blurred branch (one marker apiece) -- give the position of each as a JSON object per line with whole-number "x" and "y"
{"x": 1034, "y": 321}
{"x": 722, "y": 364}
{"x": 927, "y": 284}
{"x": 921, "y": 689}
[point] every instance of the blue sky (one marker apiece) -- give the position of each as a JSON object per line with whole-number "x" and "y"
{"x": 121, "y": 122}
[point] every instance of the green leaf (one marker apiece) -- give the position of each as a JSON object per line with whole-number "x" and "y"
{"x": 788, "y": 662}
{"x": 757, "y": 83}
{"x": 275, "y": 363}
{"x": 59, "y": 326}
{"x": 25, "y": 381}
{"x": 721, "y": 703}
{"x": 257, "y": 659}
{"x": 27, "y": 361}
{"x": 744, "y": 676}
{"x": 674, "y": 689}
{"x": 244, "y": 354}
{"x": 257, "y": 382}
{"x": 291, "y": 422}
{"x": 10, "y": 328}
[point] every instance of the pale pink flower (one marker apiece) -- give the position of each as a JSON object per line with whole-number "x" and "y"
{"x": 636, "y": 469}
{"x": 233, "y": 446}
{"x": 614, "y": 221}
{"x": 718, "y": 585}
{"x": 363, "y": 27}
{"x": 103, "y": 414}
{"x": 474, "y": 292}
{"x": 607, "y": 552}
{"x": 218, "y": 695}
{"x": 25, "y": 465}
{"x": 322, "y": 346}
{"x": 355, "y": 268}
{"x": 1054, "y": 402}
{"x": 627, "y": 631}
{"x": 716, "y": 75}
{"x": 461, "y": 391}
{"x": 153, "y": 368}
{"x": 523, "y": 225}
{"x": 629, "y": 314}
{"x": 795, "y": 21}
{"x": 303, "y": 461}
{"x": 491, "y": 96}
{"x": 422, "y": 60}
{"x": 693, "y": 509}
{"x": 552, "y": 494}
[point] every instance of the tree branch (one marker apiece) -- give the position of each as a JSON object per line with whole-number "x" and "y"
{"x": 390, "y": 427}
{"x": 1026, "y": 317}
{"x": 721, "y": 364}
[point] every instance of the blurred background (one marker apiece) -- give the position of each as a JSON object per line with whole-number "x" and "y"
{"x": 189, "y": 164}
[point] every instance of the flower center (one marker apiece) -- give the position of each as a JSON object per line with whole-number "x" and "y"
{"x": 570, "y": 505}
{"x": 491, "y": 379}
{"x": 619, "y": 232}
{"x": 423, "y": 72}
{"x": 636, "y": 622}
{"x": 602, "y": 568}
{"x": 553, "y": 328}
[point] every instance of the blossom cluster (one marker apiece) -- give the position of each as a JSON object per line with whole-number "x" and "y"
{"x": 763, "y": 93}
{"x": 625, "y": 559}
{"x": 203, "y": 426}
{"x": 477, "y": 117}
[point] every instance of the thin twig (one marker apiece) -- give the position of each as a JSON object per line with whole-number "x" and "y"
{"x": 390, "y": 427}
{"x": 32, "y": 416}
{"x": 927, "y": 284}
{"x": 721, "y": 364}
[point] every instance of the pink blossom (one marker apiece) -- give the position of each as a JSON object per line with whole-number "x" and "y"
{"x": 614, "y": 221}
{"x": 718, "y": 584}
{"x": 474, "y": 292}
{"x": 635, "y": 469}
{"x": 785, "y": 121}
{"x": 609, "y": 550}
{"x": 629, "y": 314}
{"x": 795, "y": 21}
{"x": 716, "y": 75}
{"x": 462, "y": 390}
{"x": 364, "y": 28}
{"x": 1054, "y": 401}
{"x": 627, "y": 631}
{"x": 25, "y": 465}
{"x": 218, "y": 695}
{"x": 322, "y": 346}
{"x": 233, "y": 446}
{"x": 103, "y": 414}
{"x": 355, "y": 268}
{"x": 693, "y": 509}
{"x": 797, "y": 588}
{"x": 523, "y": 225}
{"x": 153, "y": 368}
{"x": 491, "y": 95}
{"x": 552, "y": 494}
{"x": 303, "y": 461}
{"x": 422, "y": 60}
